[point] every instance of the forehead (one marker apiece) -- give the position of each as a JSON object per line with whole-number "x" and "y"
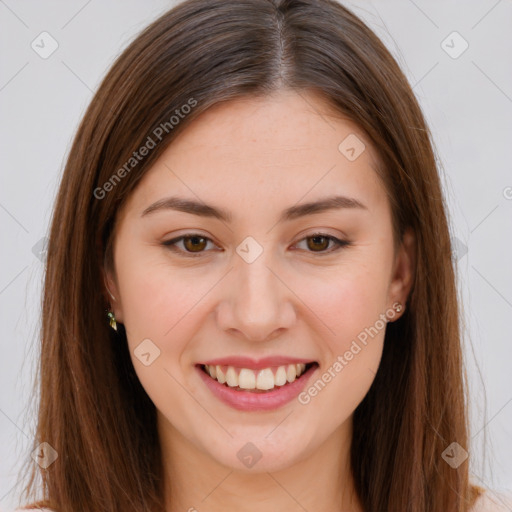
{"x": 285, "y": 126}
{"x": 257, "y": 151}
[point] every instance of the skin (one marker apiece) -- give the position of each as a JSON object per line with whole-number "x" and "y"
{"x": 256, "y": 157}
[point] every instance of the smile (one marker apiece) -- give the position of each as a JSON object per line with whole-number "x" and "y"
{"x": 257, "y": 380}
{"x": 262, "y": 389}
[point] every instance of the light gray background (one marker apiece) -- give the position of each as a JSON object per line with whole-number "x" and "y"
{"x": 468, "y": 105}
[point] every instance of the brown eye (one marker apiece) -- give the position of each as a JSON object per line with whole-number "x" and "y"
{"x": 189, "y": 245}
{"x": 321, "y": 243}
{"x": 318, "y": 242}
{"x": 194, "y": 243}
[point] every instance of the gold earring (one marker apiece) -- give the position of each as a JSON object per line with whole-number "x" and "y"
{"x": 112, "y": 318}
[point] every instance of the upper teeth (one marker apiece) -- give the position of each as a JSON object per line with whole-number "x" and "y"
{"x": 263, "y": 379}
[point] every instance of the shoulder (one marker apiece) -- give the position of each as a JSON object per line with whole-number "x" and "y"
{"x": 493, "y": 501}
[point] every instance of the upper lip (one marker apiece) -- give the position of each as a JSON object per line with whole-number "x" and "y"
{"x": 255, "y": 364}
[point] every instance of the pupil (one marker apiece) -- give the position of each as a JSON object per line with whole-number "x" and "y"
{"x": 318, "y": 240}
{"x": 194, "y": 240}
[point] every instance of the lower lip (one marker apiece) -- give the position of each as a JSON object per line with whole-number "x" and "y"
{"x": 249, "y": 401}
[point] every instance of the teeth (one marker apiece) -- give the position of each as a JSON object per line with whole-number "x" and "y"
{"x": 221, "y": 377}
{"x": 291, "y": 373}
{"x": 246, "y": 379}
{"x": 231, "y": 377}
{"x": 264, "y": 379}
{"x": 280, "y": 378}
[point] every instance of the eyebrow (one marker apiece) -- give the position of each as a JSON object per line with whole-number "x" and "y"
{"x": 294, "y": 212}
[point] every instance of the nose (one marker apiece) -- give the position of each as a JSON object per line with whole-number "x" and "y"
{"x": 258, "y": 304}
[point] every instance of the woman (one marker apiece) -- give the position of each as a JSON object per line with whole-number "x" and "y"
{"x": 250, "y": 298}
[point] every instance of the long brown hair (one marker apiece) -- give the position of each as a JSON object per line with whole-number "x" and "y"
{"x": 93, "y": 410}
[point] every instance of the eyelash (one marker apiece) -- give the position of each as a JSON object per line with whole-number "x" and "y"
{"x": 171, "y": 244}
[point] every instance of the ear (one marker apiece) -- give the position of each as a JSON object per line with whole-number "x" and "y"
{"x": 112, "y": 295}
{"x": 403, "y": 271}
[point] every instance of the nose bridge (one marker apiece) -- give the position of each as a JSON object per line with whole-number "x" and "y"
{"x": 258, "y": 286}
{"x": 259, "y": 303}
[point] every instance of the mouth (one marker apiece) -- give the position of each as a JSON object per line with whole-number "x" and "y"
{"x": 257, "y": 381}
{"x": 261, "y": 389}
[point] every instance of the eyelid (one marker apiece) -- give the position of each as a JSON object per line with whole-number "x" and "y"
{"x": 171, "y": 244}
{"x": 339, "y": 243}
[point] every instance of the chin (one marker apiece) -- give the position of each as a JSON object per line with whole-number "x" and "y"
{"x": 257, "y": 454}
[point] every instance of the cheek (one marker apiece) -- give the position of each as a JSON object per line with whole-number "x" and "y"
{"x": 349, "y": 305}
{"x": 161, "y": 305}
{"x": 345, "y": 300}
{"x": 353, "y": 309}
{"x": 157, "y": 301}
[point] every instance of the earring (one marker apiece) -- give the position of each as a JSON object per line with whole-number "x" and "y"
{"x": 112, "y": 318}
{"x": 397, "y": 307}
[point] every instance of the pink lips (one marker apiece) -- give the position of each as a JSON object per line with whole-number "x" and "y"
{"x": 248, "y": 400}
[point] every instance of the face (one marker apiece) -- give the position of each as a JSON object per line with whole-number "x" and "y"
{"x": 255, "y": 285}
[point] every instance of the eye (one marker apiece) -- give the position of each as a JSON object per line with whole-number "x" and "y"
{"x": 319, "y": 242}
{"x": 193, "y": 244}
